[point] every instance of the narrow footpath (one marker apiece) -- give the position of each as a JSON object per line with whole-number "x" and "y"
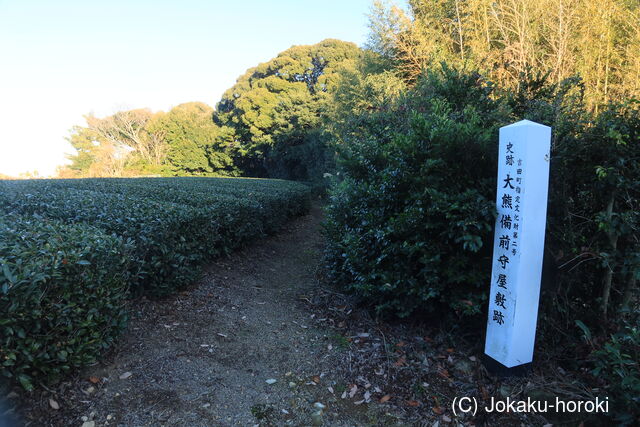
{"x": 239, "y": 348}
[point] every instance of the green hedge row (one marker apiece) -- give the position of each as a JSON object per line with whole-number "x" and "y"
{"x": 174, "y": 229}
{"x": 62, "y": 296}
{"x": 71, "y": 249}
{"x": 170, "y": 239}
{"x": 252, "y": 201}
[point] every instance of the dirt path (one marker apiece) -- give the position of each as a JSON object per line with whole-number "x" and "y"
{"x": 207, "y": 357}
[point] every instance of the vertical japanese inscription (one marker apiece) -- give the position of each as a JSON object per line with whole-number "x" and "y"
{"x": 510, "y": 198}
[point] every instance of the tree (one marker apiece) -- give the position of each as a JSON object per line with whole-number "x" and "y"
{"x": 273, "y": 106}
{"x": 128, "y": 128}
{"x": 509, "y": 39}
{"x": 192, "y": 143}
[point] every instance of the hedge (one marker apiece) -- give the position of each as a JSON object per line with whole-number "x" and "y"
{"x": 171, "y": 239}
{"x": 70, "y": 251}
{"x": 63, "y": 291}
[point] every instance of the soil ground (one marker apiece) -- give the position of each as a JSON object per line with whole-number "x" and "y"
{"x": 261, "y": 341}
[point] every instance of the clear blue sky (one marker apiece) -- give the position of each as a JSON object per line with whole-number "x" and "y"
{"x": 62, "y": 59}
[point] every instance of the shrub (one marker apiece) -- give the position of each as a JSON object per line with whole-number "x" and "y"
{"x": 171, "y": 239}
{"x": 63, "y": 295}
{"x": 409, "y": 224}
{"x": 617, "y": 363}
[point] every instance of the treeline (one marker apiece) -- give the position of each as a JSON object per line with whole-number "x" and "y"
{"x": 184, "y": 141}
{"x": 598, "y": 40}
{"x": 269, "y": 124}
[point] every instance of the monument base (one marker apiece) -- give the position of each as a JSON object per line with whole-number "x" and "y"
{"x": 497, "y": 369}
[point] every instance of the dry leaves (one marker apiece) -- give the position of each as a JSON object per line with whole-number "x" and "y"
{"x": 55, "y": 405}
{"x": 400, "y": 362}
{"x": 125, "y": 375}
{"x": 353, "y": 390}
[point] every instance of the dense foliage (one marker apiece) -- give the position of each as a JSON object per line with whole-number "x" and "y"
{"x": 71, "y": 250}
{"x": 274, "y": 107}
{"x": 407, "y": 225}
{"x": 596, "y": 39}
{"x": 183, "y": 141}
{"x": 193, "y": 143}
{"x": 410, "y": 222}
{"x": 63, "y": 291}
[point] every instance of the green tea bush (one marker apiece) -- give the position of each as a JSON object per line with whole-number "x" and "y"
{"x": 409, "y": 223}
{"x": 63, "y": 290}
{"x": 175, "y": 224}
{"x": 170, "y": 240}
{"x": 71, "y": 249}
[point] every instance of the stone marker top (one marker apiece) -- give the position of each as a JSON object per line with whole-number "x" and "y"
{"x": 525, "y": 122}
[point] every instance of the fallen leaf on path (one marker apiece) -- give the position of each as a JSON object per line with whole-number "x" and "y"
{"x": 55, "y": 405}
{"x": 316, "y": 379}
{"x": 385, "y": 398}
{"x": 400, "y": 362}
{"x": 413, "y": 403}
{"x": 485, "y": 393}
{"x": 352, "y": 392}
{"x": 94, "y": 380}
{"x": 437, "y": 409}
{"x": 126, "y": 375}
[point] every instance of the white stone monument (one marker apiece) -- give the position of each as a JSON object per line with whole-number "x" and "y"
{"x": 523, "y": 180}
